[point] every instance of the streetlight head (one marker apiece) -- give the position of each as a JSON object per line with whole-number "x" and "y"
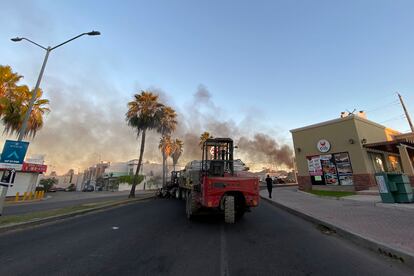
{"x": 16, "y": 39}
{"x": 93, "y": 33}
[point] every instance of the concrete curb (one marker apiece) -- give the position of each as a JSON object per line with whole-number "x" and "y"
{"x": 37, "y": 222}
{"x": 386, "y": 250}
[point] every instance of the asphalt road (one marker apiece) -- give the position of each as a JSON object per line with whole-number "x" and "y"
{"x": 155, "y": 238}
{"x": 57, "y": 201}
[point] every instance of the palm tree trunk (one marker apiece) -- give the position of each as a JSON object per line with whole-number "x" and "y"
{"x": 141, "y": 153}
{"x": 163, "y": 171}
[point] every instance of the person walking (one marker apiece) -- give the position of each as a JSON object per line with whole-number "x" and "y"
{"x": 269, "y": 185}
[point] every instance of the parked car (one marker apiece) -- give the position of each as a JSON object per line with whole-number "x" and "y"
{"x": 88, "y": 188}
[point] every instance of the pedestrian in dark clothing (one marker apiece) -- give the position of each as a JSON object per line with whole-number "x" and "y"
{"x": 269, "y": 185}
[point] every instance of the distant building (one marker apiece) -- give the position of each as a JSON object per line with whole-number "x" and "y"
{"x": 91, "y": 174}
{"x": 116, "y": 170}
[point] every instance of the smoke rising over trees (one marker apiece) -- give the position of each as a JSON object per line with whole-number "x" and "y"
{"x": 77, "y": 132}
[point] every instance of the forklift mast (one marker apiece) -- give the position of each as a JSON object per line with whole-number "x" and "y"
{"x": 217, "y": 157}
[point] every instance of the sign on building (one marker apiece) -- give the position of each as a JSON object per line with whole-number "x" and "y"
{"x": 323, "y": 145}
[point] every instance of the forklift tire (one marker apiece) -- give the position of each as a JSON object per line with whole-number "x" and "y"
{"x": 191, "y": 205}
{"x": 229, "y": 210}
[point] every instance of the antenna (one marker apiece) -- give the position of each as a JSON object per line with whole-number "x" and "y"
{"x": 351, "y": 113}
{"x": 406, "y": 112}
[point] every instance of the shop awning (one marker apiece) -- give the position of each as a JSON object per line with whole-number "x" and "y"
{"x": 392, "y": 146}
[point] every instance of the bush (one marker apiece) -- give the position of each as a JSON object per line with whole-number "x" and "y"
{"x": 130, "y": 178}
{"x": 48, "y": 183}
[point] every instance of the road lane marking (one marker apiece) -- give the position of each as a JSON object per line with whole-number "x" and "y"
{"x": 115, "y": 227}
{"x": 224, "y": 268}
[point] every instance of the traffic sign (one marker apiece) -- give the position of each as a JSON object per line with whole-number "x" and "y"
{"x": 14, "y": 152}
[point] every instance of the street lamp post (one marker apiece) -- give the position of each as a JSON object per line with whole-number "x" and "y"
{"x": 33, "y": 99}
{"x": 39, "y": 79}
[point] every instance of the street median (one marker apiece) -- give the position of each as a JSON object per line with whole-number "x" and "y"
{"x": 18, "y": 222}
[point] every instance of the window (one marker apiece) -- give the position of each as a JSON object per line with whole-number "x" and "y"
{"x": 378, "y": 162}
{"x": 395, "y": 164}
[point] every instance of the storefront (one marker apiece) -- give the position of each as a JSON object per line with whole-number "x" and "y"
{"x": 330, "y": 169}
{"x": 345, "y": 153}
{"x": 26, "y": 178}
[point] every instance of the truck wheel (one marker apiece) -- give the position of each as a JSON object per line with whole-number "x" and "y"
{"x": 229, "y": 210}
{"x": 191, "y": 204}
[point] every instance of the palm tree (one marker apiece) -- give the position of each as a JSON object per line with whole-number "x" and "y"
{"x": 8, "y": 79}
{"x": 143, "y": 115}
{"x": 168, "y": 120}
{"x": 203, "y": 137}
{"x": 165, "y": 146}
{"x": 16, "y": 104}
{"x": 177, "y": 151}
{"x": 167, "y": 124}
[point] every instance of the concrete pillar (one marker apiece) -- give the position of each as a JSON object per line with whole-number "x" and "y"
{"x": 406, "y": 163}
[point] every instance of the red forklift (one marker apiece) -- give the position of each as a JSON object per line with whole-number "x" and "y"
{"x": 215, "y": 184}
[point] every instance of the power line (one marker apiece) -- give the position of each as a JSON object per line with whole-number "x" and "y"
{"x": 400, "y": 117}
{"x": 391, "y": 104}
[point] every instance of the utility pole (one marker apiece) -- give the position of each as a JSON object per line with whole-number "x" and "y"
{"x": 406, "y": 112}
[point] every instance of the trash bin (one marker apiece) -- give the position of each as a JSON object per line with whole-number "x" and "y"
{"x": 385, "y": 188}
{"x": 404, "y": 193}
{"x": 394, "y": 187}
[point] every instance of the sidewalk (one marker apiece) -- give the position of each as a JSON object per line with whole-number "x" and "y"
{"x": 374, "y": 225}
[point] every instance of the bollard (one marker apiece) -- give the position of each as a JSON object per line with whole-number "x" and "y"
{"x": 30, "y": 195}
{"x": 36, "y": 194}
{"x": 42, "y": 193}
{"x": 17, "y": 197}
{"x": 24, "y": 196}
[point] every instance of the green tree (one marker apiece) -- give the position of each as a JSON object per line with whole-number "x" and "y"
{"x": 143, "y": 114}
{"x": 177, "y": 150}
{"x": 48, "y": 183}
{"x": 203, "y": 137}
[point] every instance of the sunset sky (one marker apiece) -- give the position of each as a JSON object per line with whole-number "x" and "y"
{"x": 265, "y": 67}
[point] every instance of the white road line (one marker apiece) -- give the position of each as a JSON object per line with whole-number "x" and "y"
{"x": 224, "y": 268}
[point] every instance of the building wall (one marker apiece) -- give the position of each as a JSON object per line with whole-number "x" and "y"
{"x": 23, "y": 182}
{"x": 345, "y": 135}
{"x": 372, "y": 133}
{"x": 337, "y": 133}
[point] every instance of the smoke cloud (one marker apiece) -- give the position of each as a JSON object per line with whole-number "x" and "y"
{"x": 83, "y": 129}
{"x": 264, "y": 148}
{"x": 203, "y": 115}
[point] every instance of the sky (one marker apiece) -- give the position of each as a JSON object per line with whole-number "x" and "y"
{"x": 265, "y": 66}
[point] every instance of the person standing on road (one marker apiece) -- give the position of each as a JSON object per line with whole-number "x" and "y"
{"x": 269, "y": 185}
